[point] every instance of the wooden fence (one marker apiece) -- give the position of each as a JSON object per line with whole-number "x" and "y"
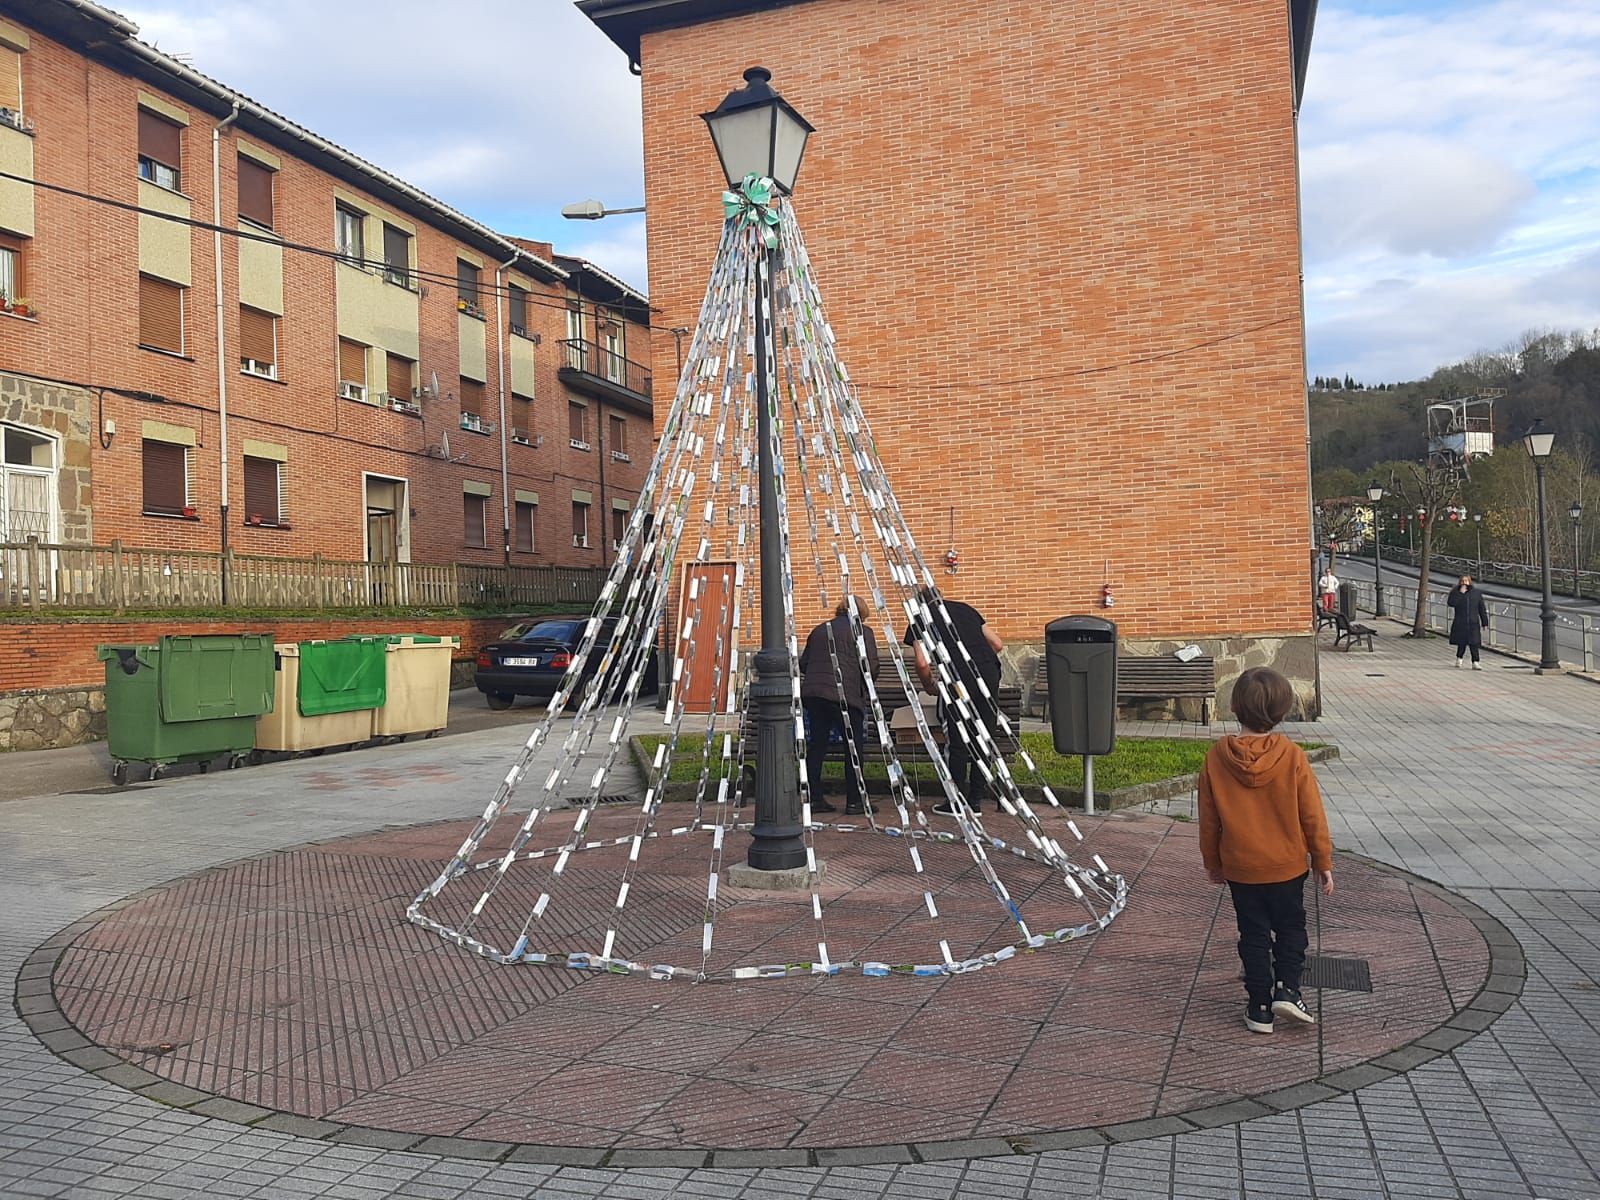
{"x": 41, "y": 576}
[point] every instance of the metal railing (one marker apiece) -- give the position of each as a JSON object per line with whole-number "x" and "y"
{"x": 1524, "y": 575}
{"x": 1514, "y": 625}
{"x": 594, "y": 359}
{"x": 42, "y": 576}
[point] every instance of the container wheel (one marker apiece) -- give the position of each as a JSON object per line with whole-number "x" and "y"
{"x": 255, "y": 758}
{"x": 157, "y": 770}
{"x": 119, "y": 773}
{"x": 205, "y": 766}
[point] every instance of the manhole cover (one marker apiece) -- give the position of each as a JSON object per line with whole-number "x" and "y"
{"x": 1337, "y": 974}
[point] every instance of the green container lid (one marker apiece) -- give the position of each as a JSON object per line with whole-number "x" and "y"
{"x": 343, "y": 676}
{"x": 394, "y": 639}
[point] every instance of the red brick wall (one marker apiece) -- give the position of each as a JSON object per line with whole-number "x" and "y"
{"x": 83, "y": 273}
{"x": 1004, "y": 197}
{"x": 62, "y": 653}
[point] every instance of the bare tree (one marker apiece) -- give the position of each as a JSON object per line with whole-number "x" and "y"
{"x": 1427, "y": 489}
{"x": 1341, "y": 524}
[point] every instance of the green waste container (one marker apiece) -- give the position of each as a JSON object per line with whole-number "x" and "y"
{"x": 419, "y": 684}
{"x": 185, "y": 699}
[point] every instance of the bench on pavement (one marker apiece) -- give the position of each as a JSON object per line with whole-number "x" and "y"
{"x": 1349, "y": 632}
{"x": 1168, "y": 678}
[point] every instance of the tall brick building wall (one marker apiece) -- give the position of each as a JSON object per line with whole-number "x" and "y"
{"x": 82, "y": 93}
{"x": 1059, "y": 244}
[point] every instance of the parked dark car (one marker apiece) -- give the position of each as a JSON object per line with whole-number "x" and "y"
{"x": 532, "y": 658}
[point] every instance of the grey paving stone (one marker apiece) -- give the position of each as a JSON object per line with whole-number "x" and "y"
{"x": 1299, "y": 1094}
{"x": 230, "y": 1110}
{"x": 760, "y": 1158}
{"x": 577, "y": 1156}
{"x": 1230, "y": 1113}
{"x": 463, "y": 1148}
{"x": 658, "y": 1158}
{"x": 379, "y": 1139}
{"x": 862, "y": 1156}
{"x": 174, "y": 1094}
{"x": 305, "y": 1127}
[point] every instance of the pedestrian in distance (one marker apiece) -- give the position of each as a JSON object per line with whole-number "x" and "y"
{"x": 1328, "y": 585}
{"x": 1261, "y": 817}
{"x": 836, "y": 700}
{"x": 1469, "y": 617}
{"x": 983, "y": 646}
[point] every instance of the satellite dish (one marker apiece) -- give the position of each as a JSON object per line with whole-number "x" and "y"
{"x": 433, "y": 385}
{"x": 444, "y": 443}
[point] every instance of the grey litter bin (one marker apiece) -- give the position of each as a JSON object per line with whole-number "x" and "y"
{"x": 1347, "y": 600}
{"x": 1081, "y": 669}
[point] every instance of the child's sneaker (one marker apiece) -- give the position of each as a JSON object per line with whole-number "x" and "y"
{"x": 1286, "y": 1003}
{"x": 1258, "y": 1018}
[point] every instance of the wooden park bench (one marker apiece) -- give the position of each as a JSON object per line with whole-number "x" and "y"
{"x": 1168, "y": 678}
{"x": 1324, "y": 617}
{"x": 1349, "y": 632}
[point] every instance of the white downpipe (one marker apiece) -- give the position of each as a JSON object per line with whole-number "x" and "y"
{"x": 500, "y": 373}
{"x": 216, "y": 258}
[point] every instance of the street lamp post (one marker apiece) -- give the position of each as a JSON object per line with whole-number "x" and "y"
{"x": 1477, "y": 525}
{"x": 1539, "y": 442}
{"x": 1375, "y": 498}
{"x": 757, "y": 132}
{"x": 1576, "y": 513}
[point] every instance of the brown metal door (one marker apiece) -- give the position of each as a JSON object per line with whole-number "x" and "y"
{"x": 702, "y": 687}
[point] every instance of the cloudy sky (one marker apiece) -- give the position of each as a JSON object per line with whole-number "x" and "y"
{"x": 1450, "y": 149}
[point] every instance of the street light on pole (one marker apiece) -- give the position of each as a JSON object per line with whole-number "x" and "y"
{"x": 1576, "y": 513}
{"x": 593, "y": 210}
{"x": 757, "y": 132}
{"x": 1477, "y": 525}
{"x": 1375, "y": 497}
{"x": 1539, "y": 442}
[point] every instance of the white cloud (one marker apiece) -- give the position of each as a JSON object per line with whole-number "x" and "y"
{"x": 1450, "y": 158}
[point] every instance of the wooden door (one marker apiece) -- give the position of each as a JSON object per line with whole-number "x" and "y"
{"x": 706, "y": 595}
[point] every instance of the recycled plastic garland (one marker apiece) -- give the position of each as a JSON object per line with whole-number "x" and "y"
{"x": 699, "y": 504}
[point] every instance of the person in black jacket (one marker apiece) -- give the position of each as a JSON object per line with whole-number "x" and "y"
{"x": 983, "y": 646}
{"x": 827, "y": 709}
{"x": 1470, "y": 616}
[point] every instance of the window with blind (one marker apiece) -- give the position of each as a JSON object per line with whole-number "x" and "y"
{"x": 263, "y": 494}
{"x": 258, "y": 342}
{"x": 518, "y": 303}
{"x": 473, "y": 509}
{"x": 166, "y": 479}
{"x": 524, "y": 519}
{"x": 396, "y": 256}
{"x": 400, "y": 372}
{"x": 10, "y": 79}
{"x": 255, "y": 192}
{"x": 467, "y": 284}
{"x": 521, "y": 419}
{"x": 160, "y": 150}
{"x": 619, "y": 526}
{"x": 575, "y": 426}
{"x": 12, "y": 284}
{"x": 160, "y": 315}
{"x": 349, "y": 233}
{"x": 580, "y": 524}
{"x": 619, "y": 436}
{"x": 471, "y": 398}
{"x": 352, "y": 370}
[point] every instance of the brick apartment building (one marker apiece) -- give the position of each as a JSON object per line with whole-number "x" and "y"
{"x": 349, "y": 368}
{"x": 1060, "y": 246}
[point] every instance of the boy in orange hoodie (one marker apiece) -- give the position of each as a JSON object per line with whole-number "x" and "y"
{"x": 1261, "y": 816}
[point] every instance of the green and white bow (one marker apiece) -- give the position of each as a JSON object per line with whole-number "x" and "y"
{"x": 752, "y": 205}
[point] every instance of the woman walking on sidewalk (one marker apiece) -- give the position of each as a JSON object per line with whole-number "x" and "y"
{"x": 1470, "y": 618}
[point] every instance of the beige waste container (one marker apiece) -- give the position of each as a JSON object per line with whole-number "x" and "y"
{"x": 418, "y": 684}
{"x": 286, "y": 727}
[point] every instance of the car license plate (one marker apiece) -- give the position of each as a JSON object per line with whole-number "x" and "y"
{"x": 519, "y": 662}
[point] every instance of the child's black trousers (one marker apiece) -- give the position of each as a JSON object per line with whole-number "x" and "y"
{"x": 1272, "y": 934}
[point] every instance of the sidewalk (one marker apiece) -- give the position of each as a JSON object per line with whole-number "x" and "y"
{"x": 1487, "y": 783}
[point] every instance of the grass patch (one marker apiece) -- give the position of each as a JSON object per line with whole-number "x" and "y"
{"x": 1134, "y": 761}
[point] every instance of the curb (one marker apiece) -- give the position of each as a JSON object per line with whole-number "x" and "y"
{"x": 35, "y": 1003}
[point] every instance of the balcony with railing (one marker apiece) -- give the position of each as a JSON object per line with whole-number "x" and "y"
{"x": 594, "y": 370}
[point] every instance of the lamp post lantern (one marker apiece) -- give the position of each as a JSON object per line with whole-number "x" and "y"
{"x": 1539, "y": 442}
{"x": 757, "y": 132}
{"x": 1477, "y": 525}
{"x": 1576, "y": 513}
{"x": 1374, "y": 498}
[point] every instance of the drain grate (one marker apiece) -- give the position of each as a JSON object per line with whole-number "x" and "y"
{"x": 1337, "y": 974}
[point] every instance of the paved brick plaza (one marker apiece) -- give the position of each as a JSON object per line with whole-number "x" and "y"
{"x": 1435, "y": 776}
{"x": 290, "y": 983}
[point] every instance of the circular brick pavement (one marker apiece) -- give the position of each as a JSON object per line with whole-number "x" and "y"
{"x": 286, "y": 991}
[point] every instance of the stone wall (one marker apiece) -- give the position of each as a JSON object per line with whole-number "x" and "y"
{"x": 50, "y": 717}
{"x": 1295, "y": 655}
{"x": 62, "y": 413}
